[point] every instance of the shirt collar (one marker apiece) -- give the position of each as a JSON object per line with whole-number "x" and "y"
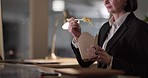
{"x": 119, "y": 21}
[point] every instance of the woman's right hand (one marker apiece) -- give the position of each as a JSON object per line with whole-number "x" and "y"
{"x": 74, "y": 28}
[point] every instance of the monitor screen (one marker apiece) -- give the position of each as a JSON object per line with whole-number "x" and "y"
{"x": 1, "y": 35}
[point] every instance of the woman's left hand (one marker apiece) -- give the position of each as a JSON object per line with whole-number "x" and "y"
{"x": 100, "y": 54}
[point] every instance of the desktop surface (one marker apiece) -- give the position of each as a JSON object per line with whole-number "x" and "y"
{"x": 88, "y": 72}
{"x": 24, "y": 71}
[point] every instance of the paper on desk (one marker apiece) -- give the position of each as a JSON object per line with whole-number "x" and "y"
{"x": 84, "y": 42}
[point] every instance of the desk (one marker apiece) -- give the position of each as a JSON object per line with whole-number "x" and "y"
{"x": 25, "y": 71}
{"x": 57, "y": 63}
{"x": 63, "y": 63}
{"x": 88, "y": 72}
{"x": 34, "y": 68}
{"x": 17, "y": 70}
{"x": 66, "y": 63}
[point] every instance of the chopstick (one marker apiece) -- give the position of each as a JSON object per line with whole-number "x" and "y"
{"x": 75, "y": 19}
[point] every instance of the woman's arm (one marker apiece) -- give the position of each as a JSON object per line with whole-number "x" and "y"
{"x": 79, "y": 59}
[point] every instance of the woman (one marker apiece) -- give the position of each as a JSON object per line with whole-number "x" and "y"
{"x": 122, "y": 43}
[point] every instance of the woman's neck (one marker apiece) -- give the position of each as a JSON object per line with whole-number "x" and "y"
{"x": 117, "y": 15}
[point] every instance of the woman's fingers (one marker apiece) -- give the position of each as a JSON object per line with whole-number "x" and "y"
{"x": 104, "y": 57}
{"x": 74, "y": 27}
{"x": 97, "y": 53}
{"x": 72, "y": 21}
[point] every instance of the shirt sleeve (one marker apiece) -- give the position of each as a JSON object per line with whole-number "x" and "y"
{"x": 75, "y": 44}
{"x": 110, "y": 65}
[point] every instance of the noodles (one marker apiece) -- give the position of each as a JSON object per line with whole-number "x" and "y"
{"x": 87, "y": 20}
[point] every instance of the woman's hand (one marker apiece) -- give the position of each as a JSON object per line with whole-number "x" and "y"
{"x": 74, "y": 28}
{"x": 98, "y": 54}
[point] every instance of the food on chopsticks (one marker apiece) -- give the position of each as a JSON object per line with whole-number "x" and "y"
{"x": 87, "y": 20}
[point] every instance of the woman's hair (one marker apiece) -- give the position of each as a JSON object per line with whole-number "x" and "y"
{"x": 131, "y": 5}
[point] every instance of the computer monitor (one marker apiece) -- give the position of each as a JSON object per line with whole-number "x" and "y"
{"x": 1, "y": 35}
